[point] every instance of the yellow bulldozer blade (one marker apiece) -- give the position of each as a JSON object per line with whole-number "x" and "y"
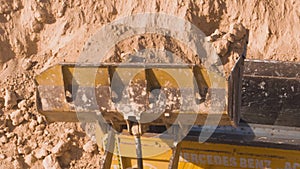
{"x": 69, "y": 92}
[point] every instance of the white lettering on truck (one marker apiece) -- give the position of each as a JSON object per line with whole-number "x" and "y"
{"x": 227, "y": 161}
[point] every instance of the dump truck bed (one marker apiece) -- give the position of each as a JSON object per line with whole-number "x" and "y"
{"x": 271, "y": 93}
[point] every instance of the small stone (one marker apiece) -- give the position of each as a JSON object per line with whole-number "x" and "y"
{"x": 24, "y": 150}
{"x": 228, "y": 37}
{"x": 46, "y": 132}
{"x": 40, "y": 127}
{"x": 3, "y": 139}
{"x": 9, "y": 135}
{"x": 37, "y": 26}
{"x": 221, "y": 47}
{"x": 40, "y": 16}
{"x": 32, "y": 125}
{"x": 70, "y": 131}
{"x": 16, "y": 117}
{"x": 20, "y": 150}
{"x": 39, "y": 133}
{"x": 67, "y": 133}
{"x": 34, "y": 145}
{"x": 30, "y": 159}
{"x": 61, "y": 11}
{"x": 27, "y": 64}
{"x": 4, "y": 66}
{"x": 40, "y": 119}
{"x": 26, "y": 116}
{"x": 50, "y": 162}
{"x": 17, "y": 163}
{"x": 90, "y": 147}
{"x": 68, "y": 95}
{"x": 237, "y": 30}
{"x": 60, "y": 148}
{"x": 60, "y": 14}
{"x": 7, "y": 117}
{"x": 22, "y": 105}
{"x": 2, "y": 156}
{"x": 16, "y": 5}
{"x": 6, "y": 129}
{"x": 9, "y": 159}
{"x": 10, "y": 99}
{"x": 208, "y": 39}
{"x": 41, "y": 153}
{"x": 27, "y": 137}
{"x": 7, "y": 16}
{"x": 214, "y": 36}
{"x": 20, "y": 140}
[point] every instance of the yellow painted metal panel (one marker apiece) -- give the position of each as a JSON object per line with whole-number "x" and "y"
{"x": 52, "y": 77}
{"x": 195, "y": 155}
{"x": 100, "y": 76}
{"x": 86, "y": 76}
{"x": 209, "y": 155}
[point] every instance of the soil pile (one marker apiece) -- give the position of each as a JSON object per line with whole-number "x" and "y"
{"x": 37, "y": 34}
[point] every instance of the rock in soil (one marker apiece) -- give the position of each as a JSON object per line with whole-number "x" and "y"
{"x": 2, "y": 156}
{"x": 41, "y": 153}
{"x": 22, "y": 105}
{"x": 40, "y": 119}
{"x": 10, "y": 99}
{"x": 27, "y": 64}
{"x": 60, "y": 148}
{"x": 24, "y": 150}
{"x": 237, "y": 30}
{"x": 32, "y": 125}
{"x": 221, "y": 47}
{"x": 90, "y": 147}
{"x": 30, "y": 159}
{"x": 16, "y": 117}
{"x": 18, "y": 164}
{"x": 50, "y": 162}
{"x": 3, "y": 139}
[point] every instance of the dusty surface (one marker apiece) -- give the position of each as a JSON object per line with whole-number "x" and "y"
{"x": 37, "y": 34}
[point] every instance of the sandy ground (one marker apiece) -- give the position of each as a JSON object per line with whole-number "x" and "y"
{"x": 37, "y": 34}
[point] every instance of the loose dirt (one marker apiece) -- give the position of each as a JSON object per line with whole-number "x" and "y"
{"x": 37, "y": 34}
